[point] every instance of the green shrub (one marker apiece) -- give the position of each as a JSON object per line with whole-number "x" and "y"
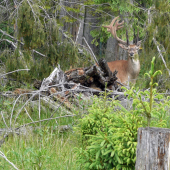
{"x": 111, "y": 136}
{"x": 101, "y": 110}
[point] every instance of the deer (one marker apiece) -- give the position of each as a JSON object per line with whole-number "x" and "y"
{"x": 129, "y": 69}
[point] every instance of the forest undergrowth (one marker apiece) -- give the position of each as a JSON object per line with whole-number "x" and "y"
{"x": 97, "y": 132}
{"x": 102, "y": 133}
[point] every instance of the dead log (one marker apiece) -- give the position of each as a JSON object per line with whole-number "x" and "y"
{"x": 94, "y": 76}
{"x": 56, "y": 77}
{"x": 153, "y": 149}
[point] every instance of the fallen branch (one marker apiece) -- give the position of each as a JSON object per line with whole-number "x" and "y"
{"x": 38, "y": 121}
{"x": 1, "y": 75}
{"x": 2, "y": 155}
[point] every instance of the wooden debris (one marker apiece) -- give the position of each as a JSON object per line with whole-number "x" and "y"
{"x": 153, "y": 149}
{"x": 21, "y": 91}
{"x": 94, "y": 76}
{"x": 59, "y": 85}
{"x": 89, "y": 81}
{"x": 60, "y": 98}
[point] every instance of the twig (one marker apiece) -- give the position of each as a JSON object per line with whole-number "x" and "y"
{"x": 59, "y": 106}
{"x": 2, "y": 155}
{"x": 161, "y": 55}
{"x": 78, "y": 33}
{"x": 12, "y": 43}
{"x": 28, "y": 115}
{"x": 39, "y": 107}
{"x": 94, "y": 57}
{"x": 22, "y": 107}
{"x": 38, "y": 121}
{"x": 39, "y": 53}
{"x": 1, "y": 75}
{"x": 4, "y": 119}
{"x": 32, "y": 9}
{"x": 5, "y": 33}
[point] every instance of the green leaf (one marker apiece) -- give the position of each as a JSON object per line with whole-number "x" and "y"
{"x": 112, "y": 153}
{"x": 98, "y": 154}
{"x": 103, "y": 142}
{"x": 157, "y": 72}
{"x": 105, "y": 153}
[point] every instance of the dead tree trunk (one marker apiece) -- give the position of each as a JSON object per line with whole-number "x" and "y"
{"x": 153, "y": 152}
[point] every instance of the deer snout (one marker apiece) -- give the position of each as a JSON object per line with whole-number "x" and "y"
{"x": 131, "y": 54}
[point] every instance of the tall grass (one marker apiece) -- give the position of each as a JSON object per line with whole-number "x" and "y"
{"x": 42, "y": 149}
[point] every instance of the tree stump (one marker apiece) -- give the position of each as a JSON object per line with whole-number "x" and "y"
{"x": 153, "y": 152}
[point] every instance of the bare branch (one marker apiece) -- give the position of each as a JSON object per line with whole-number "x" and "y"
{"x": 12, "y": 43}
{"x": 4, "y": 119}
{"x": 1, "y": 75}
{"x": 32, "y": 9}
{"x": 38, "y": 121}
{"x": 2, "y": 155}
{"x": 160, "y": 54}
{"x": 94, "y": 57}
{"x": 5, "y": 33}
{"x": 28, "y": 115}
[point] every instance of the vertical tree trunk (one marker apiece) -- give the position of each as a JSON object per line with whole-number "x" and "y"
{"x": 153, "y": 151}
{"x": 90, "y": 23}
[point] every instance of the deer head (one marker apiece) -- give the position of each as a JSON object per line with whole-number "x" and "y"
{"x": 131, "y": 48}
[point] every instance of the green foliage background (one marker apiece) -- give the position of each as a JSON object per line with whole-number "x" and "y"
{"x": 33, "y": 32}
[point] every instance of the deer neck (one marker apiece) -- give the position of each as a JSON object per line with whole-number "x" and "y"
{"x": 133, "y": 66}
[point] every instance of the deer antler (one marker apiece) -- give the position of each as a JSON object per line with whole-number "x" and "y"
{"x": 113, "y": 29}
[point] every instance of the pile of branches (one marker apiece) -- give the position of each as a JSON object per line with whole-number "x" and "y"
{"x": 93, "y": 80}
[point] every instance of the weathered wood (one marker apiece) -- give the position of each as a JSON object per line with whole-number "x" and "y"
{"x": 153, "y": 152}
{"x": 95, "y": 76}
{"x": 105, "y": 68}
{"x": 56, "y": 77}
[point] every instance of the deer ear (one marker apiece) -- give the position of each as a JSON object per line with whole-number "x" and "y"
{"x": 123, "y": 46}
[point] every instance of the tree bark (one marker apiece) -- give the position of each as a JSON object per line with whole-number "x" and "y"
{"x": 153, "y": 151}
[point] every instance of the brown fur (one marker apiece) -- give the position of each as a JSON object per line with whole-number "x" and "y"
{"x": 128, "y": 70}
{"x": 121, "y": 67}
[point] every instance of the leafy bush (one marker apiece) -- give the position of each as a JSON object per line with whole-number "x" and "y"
{"x": 111, "y": 136}
{"x": 101, "y": 110}
{"x": 109, "y": 131}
